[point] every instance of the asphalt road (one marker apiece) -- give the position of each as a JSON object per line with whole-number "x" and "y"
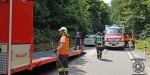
{"x": 113, "y": 62}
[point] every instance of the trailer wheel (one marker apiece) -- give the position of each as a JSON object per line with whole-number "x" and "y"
{"x": 105, "y": 47}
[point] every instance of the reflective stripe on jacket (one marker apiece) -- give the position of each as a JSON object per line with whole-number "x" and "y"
{"x": 62, "y": 69}
{"x": 99, "y": 41}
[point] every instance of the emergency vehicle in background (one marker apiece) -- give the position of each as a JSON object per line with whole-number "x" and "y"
{"x": 22, "y": 56}
{"x": 114, "y": 36}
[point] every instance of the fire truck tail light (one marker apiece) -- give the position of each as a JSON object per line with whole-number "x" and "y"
{"x": 122, "y": 39}
{"x": 106, "y": 39}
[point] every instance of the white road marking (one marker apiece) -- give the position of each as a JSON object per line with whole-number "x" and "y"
{"x": 147, "y": 69}
{"x": 92, "y": 52}
{"x": 129, "y": 54}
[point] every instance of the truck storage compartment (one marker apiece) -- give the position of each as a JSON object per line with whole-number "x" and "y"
{"x": 22, "y": 21}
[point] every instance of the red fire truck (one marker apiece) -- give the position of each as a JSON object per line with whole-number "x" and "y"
{"x": 17, "y": 38}
{"x": 114, "y": 36}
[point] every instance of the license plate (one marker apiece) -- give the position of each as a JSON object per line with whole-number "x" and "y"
{"x": 113, "y": 42}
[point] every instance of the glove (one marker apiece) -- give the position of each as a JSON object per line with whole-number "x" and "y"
{"x": 55, "y": 50}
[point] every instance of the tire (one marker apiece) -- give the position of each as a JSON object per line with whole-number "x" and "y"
{"x": 106, "y": 47}
{"x": 123, "y": 48}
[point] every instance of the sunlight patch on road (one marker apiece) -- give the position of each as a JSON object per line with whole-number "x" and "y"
{"x": 147, "y": 70}
{"x": 105, "y": 51}
{"x": 92, "y": 52}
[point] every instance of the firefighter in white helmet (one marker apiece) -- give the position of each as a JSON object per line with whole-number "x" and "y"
{"x": 64, "y": 29}
{"x": 63, "y": 51}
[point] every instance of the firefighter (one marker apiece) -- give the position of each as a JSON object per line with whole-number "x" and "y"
{"x": 78, "y": 38}
{"x": 103, "y": 36}
{"x": 99, "y": 44}
{"x": 133, "y": 39}
{"x": 63, "y": 51}
{"x": 127, "y": 40}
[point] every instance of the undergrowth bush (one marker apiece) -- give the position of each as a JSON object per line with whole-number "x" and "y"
{"x": 43, "y": 36}
{"x": 144, "y": 43}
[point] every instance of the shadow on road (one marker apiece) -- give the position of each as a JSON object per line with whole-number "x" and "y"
{"x": 114, "y": 48}
{"x": 75, "y": 66}
{"x": 120, "y": 49}
{"x": 106, "y": 60}
{"x": 39, "y": 70}
{"x": 89, "y": 46}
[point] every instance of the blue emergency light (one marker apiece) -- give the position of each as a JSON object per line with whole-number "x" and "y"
{"x": 114, "y": 26}
{"x": 108, "y": 26}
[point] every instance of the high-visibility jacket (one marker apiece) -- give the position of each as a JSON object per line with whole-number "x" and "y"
{"x": 65, "y": 49}
{"x": 127, "y": 38}
{"x": 99, "y": 41}
{"x": 133, "y": 37}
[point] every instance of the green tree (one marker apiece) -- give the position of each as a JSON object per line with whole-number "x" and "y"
{"x": 86, "y": 16}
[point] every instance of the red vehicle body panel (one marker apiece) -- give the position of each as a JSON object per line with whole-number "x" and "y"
{"x": 22, "y": 21}
{"x": 22, "y": 30}
{"x": 113, "y": 36}
{"x": 4, "y": 21}
{"x": 42, "y": 61}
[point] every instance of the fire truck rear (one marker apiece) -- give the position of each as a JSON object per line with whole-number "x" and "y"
{"x": 114, "y": 36}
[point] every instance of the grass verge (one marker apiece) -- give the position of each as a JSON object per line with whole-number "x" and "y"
{"x": 46, "y": 46}
{"x": 141, "y": 44}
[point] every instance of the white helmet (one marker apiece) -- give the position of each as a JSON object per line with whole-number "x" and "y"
{"x": 64, "y": 29}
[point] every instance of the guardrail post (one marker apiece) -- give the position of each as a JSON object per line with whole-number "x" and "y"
{"x": 135, "y": 45}
{"x": 145, "y": 51}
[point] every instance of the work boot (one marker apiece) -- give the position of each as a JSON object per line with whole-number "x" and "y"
{"x": 100, "y": 56}
{"x": 97, "y": 56}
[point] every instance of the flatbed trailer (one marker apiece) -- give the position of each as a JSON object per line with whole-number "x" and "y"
{"x": 20, "y": 51}
{"x": 41, "y": 58}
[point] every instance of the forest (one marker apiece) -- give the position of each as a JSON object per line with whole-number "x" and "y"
{"x": 85, "y": 16}
{"x": 135, "y": 15}
{"x": 90, "y": 16}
